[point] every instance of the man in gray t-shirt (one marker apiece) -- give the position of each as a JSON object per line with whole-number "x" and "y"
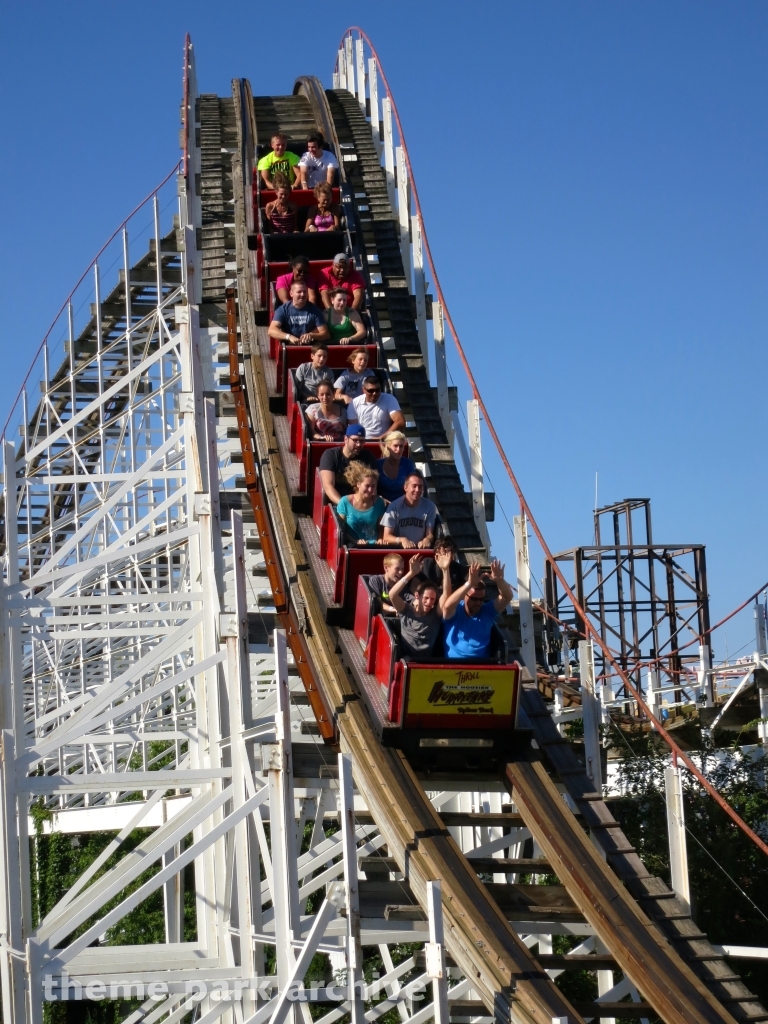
{"x": 410, "y": 521}
{"x": 421, "y": 618}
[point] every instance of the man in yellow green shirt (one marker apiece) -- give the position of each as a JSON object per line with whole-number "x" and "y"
{"x": 279, "y": 161}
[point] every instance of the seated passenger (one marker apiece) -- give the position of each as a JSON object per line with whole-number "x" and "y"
{"x": 335, "y": 462}
{"x": 350, "y": 383}
{"x": 409, "y": 522}
{"x": 281, "y": 212}
{"x": 298, "y": 322}
{"x": 342, "y": 275}
{"x": 323, "y": 216}
{"x": 468, "y": 618}
{"x": 430, "y": 570}
{"x": 279, "y": 161}
{"x": 378, "y": 412}
{"x": 394, "y": 568}
{"x": 309, "y": 375}
{"x": 394, "y": 467}
{"x": 362, "y": 509}
{"x": 317, "y": 165}
{"x": 346, "y": 325}
{"x": 327, "y": 419}
{"x": 300, "y": 271}
{"x": 421, "y": 618}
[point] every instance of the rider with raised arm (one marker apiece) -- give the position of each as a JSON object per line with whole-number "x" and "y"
{"x": 421, "y": 618}
{"x": 467, "y": 618}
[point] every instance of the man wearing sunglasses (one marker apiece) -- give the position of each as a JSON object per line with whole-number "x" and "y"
{"x": 377, "y": 412}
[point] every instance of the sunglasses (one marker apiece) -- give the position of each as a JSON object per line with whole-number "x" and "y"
{"x": 372, "y": 391}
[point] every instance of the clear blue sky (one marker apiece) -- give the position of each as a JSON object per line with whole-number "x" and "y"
{"x": 593, "y": 177}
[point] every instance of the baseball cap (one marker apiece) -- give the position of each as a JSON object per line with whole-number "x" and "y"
{"x": 355, "y": 430}
{"x": 341, "y": 257}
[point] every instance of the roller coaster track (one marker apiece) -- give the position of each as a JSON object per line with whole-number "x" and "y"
{"x": 151, "y": 541}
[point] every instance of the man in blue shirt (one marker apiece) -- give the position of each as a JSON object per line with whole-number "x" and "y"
{"x": 299, "y": 321}
{"x": 468, "y": 619}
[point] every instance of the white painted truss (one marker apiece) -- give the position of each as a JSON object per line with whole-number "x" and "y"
{"x": 131, "y": 696}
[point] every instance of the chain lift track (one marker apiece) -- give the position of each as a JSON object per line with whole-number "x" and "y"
{"x": 168, "y": 664}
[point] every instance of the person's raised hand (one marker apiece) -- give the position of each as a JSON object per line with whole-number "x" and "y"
{"x": 497, "y": 570}
{"x": 474, "y": 574}
{"x": 443, "y": 559}
{"x": 415, "y": 565}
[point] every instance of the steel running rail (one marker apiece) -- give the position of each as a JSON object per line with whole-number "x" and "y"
{"x": 525, "y": 507}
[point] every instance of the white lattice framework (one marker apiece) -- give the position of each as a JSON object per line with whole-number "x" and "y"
{"x": 130, "y": 696}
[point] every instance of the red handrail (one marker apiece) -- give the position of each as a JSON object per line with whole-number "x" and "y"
{"x": 676, "y": 751}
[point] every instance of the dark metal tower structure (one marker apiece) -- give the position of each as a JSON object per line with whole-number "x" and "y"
{"x": 648, "y": 601}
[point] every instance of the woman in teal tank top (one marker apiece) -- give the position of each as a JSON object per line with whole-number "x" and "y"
{"x": 362, "y": 510}
{"x": 344, "y": 325}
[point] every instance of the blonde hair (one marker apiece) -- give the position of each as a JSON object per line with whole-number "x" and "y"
{"x": 392, "y": 559}
{"x": 394, "y": 435}
{"x": 356, "y": 352}
{"x": 357, "y": 471}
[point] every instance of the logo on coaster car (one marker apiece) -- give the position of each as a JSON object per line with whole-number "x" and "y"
{"x": 462, "y": 691}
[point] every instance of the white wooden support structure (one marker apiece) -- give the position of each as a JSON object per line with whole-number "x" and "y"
{"x": 389, "y": 150}
{"x": 360, "y": 63}
{"x": 742, "y": 684}
{"x": 236, "y": 636}
{"x": 678, "y": 847}
{"x": 458, "y": 436}
{"x": 761, "y": 628}
{"x": 557, "y": 709}
{"x": 352, "y": 892}
{"x": 278, "y": 760}
{"x": 332, "y": 903}
{"x": 404, "y": 215}
{"x": 706, "y": 696}
{"x": 420, "y": 288}
{"x": 591, "y": 714}
{"x": 339, "y": 75}
{"x": 373, "y": 92}
{"x": 435, "y": 952}
{"x": 523, "y": 567}
{"x": 476, "y": 471}
{"x": 605, "y": 981}
{"x": 349, "y": 63}
{"x": 763, "y": 726}
{"x": 653, "y": 690}
{"x": 441, "y": 369}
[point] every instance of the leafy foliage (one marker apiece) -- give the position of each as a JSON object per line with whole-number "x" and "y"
{"x": 728, "y": 874}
